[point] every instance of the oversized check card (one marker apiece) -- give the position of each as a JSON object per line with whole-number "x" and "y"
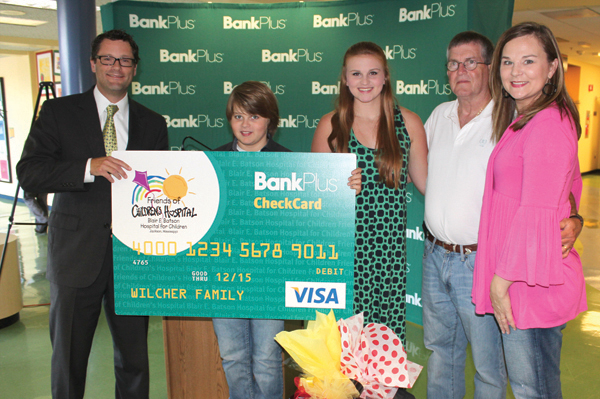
{"x": 234, "y": 234}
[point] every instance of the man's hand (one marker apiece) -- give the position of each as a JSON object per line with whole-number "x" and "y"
{"x": 570, "y": 228}
{"x": 109, "y": 167}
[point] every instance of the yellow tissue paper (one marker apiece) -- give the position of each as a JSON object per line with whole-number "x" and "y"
{"x": 317, "y": 350}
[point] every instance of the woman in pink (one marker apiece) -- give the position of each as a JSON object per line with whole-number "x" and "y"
{"x": 520, "y": 274}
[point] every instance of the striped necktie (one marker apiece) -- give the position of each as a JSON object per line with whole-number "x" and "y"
{"x": 109, "y": 132}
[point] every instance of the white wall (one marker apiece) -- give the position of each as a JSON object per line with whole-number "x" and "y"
{"x": 15, "y": 69}
{"x": 589, "y": 100}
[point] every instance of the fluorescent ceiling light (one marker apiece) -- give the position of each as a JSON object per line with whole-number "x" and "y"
{"x": 21, "y": 21}
{"x": 13, "y": 13}
{"x": 22, "y": 46}
{"x": 46, "y": 4}
{"x": 572, "y": 13}
{"x": 43, "y": 4}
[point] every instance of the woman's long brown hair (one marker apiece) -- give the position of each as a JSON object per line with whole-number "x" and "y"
{"x": 505, "y": 106}
{"x": 388, "y": 151}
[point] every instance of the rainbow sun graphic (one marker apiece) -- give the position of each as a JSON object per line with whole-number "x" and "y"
{"x": 174, "y": 187}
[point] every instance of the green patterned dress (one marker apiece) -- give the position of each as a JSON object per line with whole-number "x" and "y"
{"x": 380, "y": 249}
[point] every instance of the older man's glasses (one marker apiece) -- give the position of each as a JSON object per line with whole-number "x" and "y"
{"x": 469, "y": 65}
{"x": 108, "y": 60}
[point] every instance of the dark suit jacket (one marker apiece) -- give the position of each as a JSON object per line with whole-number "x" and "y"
{"x": 67, "y": 133}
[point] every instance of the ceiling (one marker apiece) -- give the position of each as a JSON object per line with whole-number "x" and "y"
{"x": 576, "y": 24}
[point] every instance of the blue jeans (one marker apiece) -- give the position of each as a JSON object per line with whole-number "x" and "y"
{"x": 449, "y": 322}
{"x": 533, "y": 362}
{"x": 251, "y": 357}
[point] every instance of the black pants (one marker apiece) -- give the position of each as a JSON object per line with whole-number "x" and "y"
{"x": 74, "y": 316}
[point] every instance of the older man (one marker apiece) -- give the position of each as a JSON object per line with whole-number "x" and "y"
{"x": 68, "y": 152}
{"x": 459, "y": 139}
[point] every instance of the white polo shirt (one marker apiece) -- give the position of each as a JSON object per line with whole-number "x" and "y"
{"x": 456, "y": 176}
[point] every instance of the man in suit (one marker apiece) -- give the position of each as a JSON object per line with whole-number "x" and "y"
{"x": 68, "y": 153}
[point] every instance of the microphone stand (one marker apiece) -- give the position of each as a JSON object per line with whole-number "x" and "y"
{"x": 191, "y": 138}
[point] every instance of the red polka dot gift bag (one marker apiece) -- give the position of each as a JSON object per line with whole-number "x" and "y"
{"x": 332, "y": 354}
{"x": 374, "y": 356}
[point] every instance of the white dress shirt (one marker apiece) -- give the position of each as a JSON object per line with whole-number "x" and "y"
{"x": 121, "y": 119}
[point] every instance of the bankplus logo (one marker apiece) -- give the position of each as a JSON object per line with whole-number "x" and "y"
{"x": 414, "y": 299}
{"x": 416, "y": 234}
{"x": 292, "y": 56}
{"x": 169, "y": 22}
{"x": 303, "y": 294}
{"x": 298, "y": 121}
{"x": 343, "y": 20}
{"x": 435, "y": 10}
{"x": 432, "y": 86}
{"x": 163, "y": 89}
{"x": 398, "y": 51}
{"x": 318, "y": 88}
{"x": 201, "y": 120}
{"x": 306, "y": 181}
{"x": 276, "y": 89}
{"x": 253, "y": 23}
{"x": 191, "y": 56}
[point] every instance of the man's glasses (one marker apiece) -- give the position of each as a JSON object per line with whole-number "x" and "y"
{"x": 469, "y": 65}
{"x": 109, "y": 60}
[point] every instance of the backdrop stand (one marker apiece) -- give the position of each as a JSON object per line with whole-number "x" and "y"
{"x": 48, "y": 87}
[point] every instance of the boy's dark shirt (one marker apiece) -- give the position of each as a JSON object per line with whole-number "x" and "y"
{"x": 271, "y": 146}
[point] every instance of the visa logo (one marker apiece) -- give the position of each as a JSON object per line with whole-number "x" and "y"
{"x": 315, "y": 295}
{"x": 319, "y": 295}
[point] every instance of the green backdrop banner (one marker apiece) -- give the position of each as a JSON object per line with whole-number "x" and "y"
{"x": 194, "y": 54}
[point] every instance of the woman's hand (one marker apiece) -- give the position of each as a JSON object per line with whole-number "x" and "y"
{"x": 355, "y": 180}
{"x": 320, "y": 143}
{"x": 501, "y": 304}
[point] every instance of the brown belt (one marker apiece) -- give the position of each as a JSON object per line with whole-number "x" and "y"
{"x": 467, "y": 249}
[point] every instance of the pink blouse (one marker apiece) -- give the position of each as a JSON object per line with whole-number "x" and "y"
{"x": 529, "y": 177}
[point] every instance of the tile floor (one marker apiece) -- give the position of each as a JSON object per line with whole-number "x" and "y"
{"x": 25, "y": 346}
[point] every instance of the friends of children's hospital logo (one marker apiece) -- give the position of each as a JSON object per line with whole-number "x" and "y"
{"x": 154, "y": 191}
{"x": 169, "y": 204}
